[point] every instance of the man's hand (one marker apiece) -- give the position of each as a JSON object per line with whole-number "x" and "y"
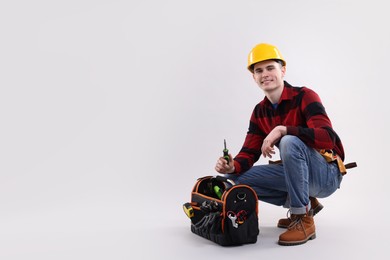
{"x": 223, "y": 166}
{"x": 267, "y": 149}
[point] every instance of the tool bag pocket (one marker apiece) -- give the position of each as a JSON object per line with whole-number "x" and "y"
{"x": 223, "y": 212}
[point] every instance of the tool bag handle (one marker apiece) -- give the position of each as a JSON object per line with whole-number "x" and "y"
{"x": 224, "y": 179}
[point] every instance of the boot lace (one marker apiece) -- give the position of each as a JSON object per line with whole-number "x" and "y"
{"x": 297, "y": 224}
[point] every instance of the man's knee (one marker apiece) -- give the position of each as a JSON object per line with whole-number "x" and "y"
{"x": 290, "y": 145}
{"x": 288, "y": 141}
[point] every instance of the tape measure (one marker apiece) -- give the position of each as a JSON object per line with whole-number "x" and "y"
{"x": 188, "y": 209}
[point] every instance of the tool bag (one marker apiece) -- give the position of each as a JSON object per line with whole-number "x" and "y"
{"x": 223, "y": 212}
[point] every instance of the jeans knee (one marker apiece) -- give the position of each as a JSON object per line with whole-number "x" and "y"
{"x": 291, "y": 146}
{"x": 287, "y": 142}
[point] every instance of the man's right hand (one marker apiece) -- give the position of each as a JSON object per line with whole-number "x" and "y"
{"x": 223, "y": 166}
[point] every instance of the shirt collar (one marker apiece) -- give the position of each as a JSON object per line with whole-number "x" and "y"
{"x": 287, "y": 94}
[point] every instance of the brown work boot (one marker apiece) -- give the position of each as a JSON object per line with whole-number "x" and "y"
{"x": 299, "y": 232}
{"x": 315, "y": 205}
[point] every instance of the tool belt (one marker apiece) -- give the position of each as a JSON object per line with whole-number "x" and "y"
{"x": 223, "y": 212}
{"x": 330, "y": 157}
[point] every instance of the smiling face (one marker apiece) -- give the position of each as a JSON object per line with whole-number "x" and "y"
{"x": 269, "y": 75}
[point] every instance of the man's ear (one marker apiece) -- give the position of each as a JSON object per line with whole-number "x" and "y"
{"x": 283, "y": 70}
{"x": 253, "y": 76}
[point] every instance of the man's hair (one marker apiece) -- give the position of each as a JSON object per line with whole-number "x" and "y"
{"x": 276, "y": 60}
{"x": 279, "y": 61}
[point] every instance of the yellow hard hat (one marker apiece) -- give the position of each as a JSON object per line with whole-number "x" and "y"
{"x": 262, "y": 52}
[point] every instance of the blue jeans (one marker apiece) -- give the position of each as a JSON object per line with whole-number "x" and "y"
{"x": 303, "y": 173}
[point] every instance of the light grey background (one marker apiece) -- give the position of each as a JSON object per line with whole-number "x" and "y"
{"x": 110, "y": 110}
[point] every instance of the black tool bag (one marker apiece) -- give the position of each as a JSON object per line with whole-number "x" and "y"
{"x": 223, "y": 212}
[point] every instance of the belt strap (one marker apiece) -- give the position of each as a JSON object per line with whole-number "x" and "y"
{"x": 350, "y": 165}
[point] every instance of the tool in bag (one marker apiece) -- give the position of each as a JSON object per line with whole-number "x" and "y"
{"x": 223, "y": 212}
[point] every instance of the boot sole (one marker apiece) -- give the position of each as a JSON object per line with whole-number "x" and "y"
{"x": 315, "y": 211}
{"x": 295, "y": 243}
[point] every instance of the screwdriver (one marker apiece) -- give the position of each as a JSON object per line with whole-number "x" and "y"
{"x": 225, "y": 152}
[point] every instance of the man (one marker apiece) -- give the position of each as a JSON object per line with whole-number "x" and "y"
{"x": 294, "y": 120}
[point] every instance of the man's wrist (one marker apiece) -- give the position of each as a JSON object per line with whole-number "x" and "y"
{"x": 283, "y": 130}
{"x": 231, "y": 170}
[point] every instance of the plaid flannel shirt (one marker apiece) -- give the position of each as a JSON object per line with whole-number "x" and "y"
{"x": 301, "y": 111}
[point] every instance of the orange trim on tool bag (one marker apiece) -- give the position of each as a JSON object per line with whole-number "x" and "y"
{"x": 196, "y": 207}
{"x": 206, "y": 197}
{"x": 195, "y": 189}
{"x": 194, "y": 204}
{"x": 198, "y": 181}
